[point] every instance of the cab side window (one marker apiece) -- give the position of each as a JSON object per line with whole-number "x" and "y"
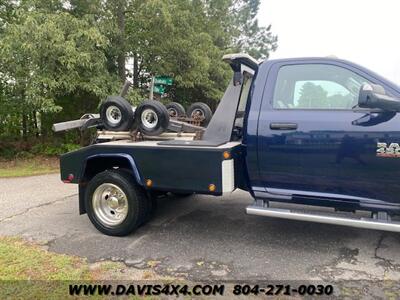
{"x": 316, "y": 86}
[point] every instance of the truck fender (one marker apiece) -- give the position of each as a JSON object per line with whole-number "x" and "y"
{"x": 128, "y": 163}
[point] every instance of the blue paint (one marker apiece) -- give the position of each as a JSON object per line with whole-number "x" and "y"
{"x": 327, "y": 158}
{"x": 126, "y": 156}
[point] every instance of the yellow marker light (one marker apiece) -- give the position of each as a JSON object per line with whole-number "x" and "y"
{"x": 212, "y": 187}
{"x": 226, "y": 155}
{"x": 149, "y": 182}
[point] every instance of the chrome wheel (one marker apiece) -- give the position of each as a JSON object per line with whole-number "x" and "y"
{"x": 113, "y": 115}
{"x": 149, "y": 118}
{"x": 110, "y": 204}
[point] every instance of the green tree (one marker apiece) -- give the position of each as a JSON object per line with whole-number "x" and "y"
{"x": 341, "y": 101}
{"x": 43, "y": 56}
{"x": 249, "y": 36}
{"x": 59, "y": 58}
{"x": 7, "y": 13}
{"x": 187, "y": 38}
{"x": 313, "y": 96}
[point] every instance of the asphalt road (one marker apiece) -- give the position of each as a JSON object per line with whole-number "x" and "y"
{"x": 200, "y": 238}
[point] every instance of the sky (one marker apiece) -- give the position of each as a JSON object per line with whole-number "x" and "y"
{"x": 366, "y": 32}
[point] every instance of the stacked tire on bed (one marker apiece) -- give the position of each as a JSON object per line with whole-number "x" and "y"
{"x": 150, "y": 117}
{"x": 197, "y": 110}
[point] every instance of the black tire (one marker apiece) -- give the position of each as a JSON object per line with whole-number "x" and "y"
{"x": 200, "y": 109}
{"x": 175, "y": 110}
{"x": 117, "y": 114}
{"x": 158, "y": 117}
{"x": 151, "y": 207}
{"x": 135, "y": 196}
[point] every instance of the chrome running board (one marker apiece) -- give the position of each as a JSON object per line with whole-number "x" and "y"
{"x": 367, "y": 223}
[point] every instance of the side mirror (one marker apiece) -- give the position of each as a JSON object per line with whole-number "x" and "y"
{"x": 374, "y": 96}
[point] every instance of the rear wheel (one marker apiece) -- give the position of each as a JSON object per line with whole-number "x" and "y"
{"x": 114, "y": 203}
{"x": 151, "y": 207}
{"x": 200, "y": 111}
{"x": 175, "y": 110}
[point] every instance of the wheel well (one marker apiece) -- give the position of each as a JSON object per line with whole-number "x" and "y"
{"x": 97, "y": 165}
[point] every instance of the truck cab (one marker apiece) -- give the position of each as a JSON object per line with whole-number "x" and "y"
{"x": 308, "y": 141}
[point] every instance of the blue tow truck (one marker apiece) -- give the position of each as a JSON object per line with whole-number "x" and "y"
{"x": 309, "y": 132}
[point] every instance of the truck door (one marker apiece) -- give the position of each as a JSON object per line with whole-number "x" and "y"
{"x": 312, "y": 141}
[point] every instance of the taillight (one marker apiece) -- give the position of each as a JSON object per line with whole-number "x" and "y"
{"x": 69, "y": 178}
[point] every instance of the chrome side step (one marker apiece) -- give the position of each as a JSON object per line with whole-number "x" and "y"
{"x": 367, "y": 223}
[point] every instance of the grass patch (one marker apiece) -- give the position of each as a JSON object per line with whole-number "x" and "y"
{"x": 20, "y": 260}
{"x": 29, "y": 272}
{"x": 20, "y": 167}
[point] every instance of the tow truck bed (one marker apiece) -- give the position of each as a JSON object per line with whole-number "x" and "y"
{"x": 177, "y": 168}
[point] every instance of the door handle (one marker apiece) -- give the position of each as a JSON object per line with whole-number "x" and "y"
{"x": 283, "y": 126}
